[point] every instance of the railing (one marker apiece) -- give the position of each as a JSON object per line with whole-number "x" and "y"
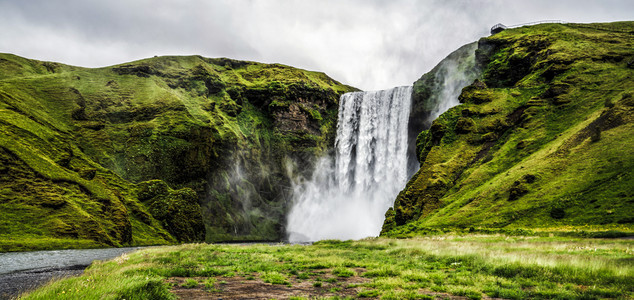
{"x": 499, "y": 27}
{"x": 537, "y": 22}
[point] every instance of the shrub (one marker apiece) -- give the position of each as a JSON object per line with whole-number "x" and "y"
{"x": 274, "y": 278}
{"x": 190, "y": 283}
{"x": 517, "y": 190}
{"x": 210, "y": 284}
{"x": 342, "y": 272}
{"x": 384, "y": 272}
{"x": 368, "y": 294}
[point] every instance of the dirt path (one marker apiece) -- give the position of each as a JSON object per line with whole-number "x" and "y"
{"x": 320, "y": 284}
{"x": 240, "y": 288}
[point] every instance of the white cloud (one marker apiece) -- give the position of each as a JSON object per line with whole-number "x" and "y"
{"x": 367, "y": 44}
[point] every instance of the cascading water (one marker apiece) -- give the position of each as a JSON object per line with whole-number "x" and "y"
{"x": 347, "y": 198}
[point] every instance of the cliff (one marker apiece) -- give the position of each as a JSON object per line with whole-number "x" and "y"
{"x": 161, "y": 150}
{"x": 543, "y": 139}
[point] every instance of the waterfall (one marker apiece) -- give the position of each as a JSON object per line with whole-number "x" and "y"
{"x": 347, "y": 198}
{"x": 348, "y": 195}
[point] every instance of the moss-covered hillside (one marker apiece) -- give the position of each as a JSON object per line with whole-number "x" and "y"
{"x": 160, "y": 150}
{"x": 544, "y": 139}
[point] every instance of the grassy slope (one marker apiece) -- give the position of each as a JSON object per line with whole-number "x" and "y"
{"x": 472, "y": 266}
{"x": 543, "y": 141}
{"x": 48, "y": 198}
{"x": 75, "y": 142}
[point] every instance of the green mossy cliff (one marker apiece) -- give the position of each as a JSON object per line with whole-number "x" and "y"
{"x": 544, "y": 138}
{"x": 161, "y": 150}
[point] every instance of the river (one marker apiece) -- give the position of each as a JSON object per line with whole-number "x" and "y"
{"x": 23, "y": 271}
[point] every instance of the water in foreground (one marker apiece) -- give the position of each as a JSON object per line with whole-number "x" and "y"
{"x": 473, "y": 266}
{"x": 21, "y": 271}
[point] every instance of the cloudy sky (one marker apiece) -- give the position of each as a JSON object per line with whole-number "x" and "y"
{"x": 367, "y": 44}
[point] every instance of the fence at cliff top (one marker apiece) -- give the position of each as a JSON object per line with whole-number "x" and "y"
{"x": 538, "y": 22}
{"x": 499, "y": 27}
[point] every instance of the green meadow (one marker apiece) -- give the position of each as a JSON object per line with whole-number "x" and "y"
{"x": 475, "y": 266}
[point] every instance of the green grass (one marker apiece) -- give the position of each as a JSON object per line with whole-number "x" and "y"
{"x": 473, "y": 266}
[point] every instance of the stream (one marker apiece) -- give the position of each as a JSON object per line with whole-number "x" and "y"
{"x": 23, "y": 271}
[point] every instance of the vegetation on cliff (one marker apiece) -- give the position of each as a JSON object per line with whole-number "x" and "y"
{"x": 78, "y": 144}
{"x": 542, "y": 140}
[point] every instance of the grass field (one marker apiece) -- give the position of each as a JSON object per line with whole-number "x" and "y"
{"x": 445, "y": 266}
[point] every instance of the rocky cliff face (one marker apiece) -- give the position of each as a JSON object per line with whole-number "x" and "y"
{"x": 437, "y": 91}
{"x": 155, "y": 151}
{"x": 538, "y": 141}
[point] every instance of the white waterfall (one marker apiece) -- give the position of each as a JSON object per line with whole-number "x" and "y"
{"x": 347, "y": 198}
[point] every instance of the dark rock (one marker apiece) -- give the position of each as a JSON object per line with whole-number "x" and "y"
{"x": 87, "y": 174}
{"x": 555, "y": 90}
{"x": 467, "y": 112}
{"x": 486, "y": 48}
{"x": 478, "y": 84}
{"x": 52, "y": 201}
{"x": 475, "y": 96}
{"x": 465, "y": 125}
{"x": 557, "y": 212}
{"x": 529, "y": 178}
{"x": 490, "y": 137}
{"x": 522, "y": 144}
{"x": 437, "y": 131}
{"x": 136, "y": 70}
{"x": 261, "y": 96}
{"x": 555, "y": 70}
{"x": 517, "y": 190}
{"x": 149, "y": 189}
{"x": 93, "y": 125}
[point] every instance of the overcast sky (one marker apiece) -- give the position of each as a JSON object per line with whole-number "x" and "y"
{"x": 367, "y": 44}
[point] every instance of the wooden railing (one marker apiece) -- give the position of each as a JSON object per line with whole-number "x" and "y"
{"x": 538, "y": 22}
